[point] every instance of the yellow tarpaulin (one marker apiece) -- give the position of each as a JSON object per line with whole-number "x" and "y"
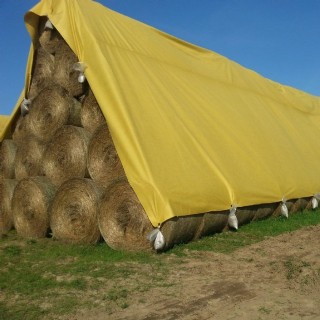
{"x": 195, "y": 131}
{"x": 4, "y": 123}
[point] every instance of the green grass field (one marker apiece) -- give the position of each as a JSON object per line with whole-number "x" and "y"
{"x": 43, "y": 279}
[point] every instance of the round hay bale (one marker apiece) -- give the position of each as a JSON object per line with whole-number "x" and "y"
{"x": 181, "y": 229}
{"x": 6, "y": 192}
{"x": 104, "y": 165}
{"x": 50, "y": 110}
{"x": 28, "y": 161}
{"x": 64, "y": 74}
{"x": 264, "y": 211}
{"x": 122, "y": 220}
{"x": 8, "y": 151}
{"x": 214, "y": 222}
{"x": 299, "y": 205}
{"x": 42, "y": 71}
{"x": 30, "y": 206}
{"x": 65, "y": 156}
{"x": 245, "y": 214}
{"x": 91, "y": 114}
{"x": 73, "y": 214}
{"x": 49, "y": 39}
{"x": 20, "y": 129}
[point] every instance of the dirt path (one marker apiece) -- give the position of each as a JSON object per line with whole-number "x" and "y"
{"x": 278, "y": 278}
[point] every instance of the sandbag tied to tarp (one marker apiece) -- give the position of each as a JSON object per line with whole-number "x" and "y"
{"x": 284, "y": 208}
{"x": 195, "y": 132}
{"x": 232, "y": 219}
{"x": 25, "y": 107}
{"x": 315, "y": 201}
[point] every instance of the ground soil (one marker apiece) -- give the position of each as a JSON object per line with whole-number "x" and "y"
{"x": 278, "y": 278}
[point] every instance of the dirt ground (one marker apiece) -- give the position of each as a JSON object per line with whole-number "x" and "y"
{"x": 278, "y": 278}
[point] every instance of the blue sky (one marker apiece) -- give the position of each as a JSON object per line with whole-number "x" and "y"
{"x": 277, "y": 38}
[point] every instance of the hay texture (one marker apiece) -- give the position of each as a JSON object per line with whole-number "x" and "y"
{"x": 49, "y": 39}
{"x": 264, "y": 211}
{"x": 28, "y": 160}
{"x": 91, "y": 114}
{"x": 245, "y": 215}
{"x": 104, "y": 165}
{"x": 8, "y": 151}
{"x": 299, "y": 204}
{"x": 123, "y": 222}
{"x": 42, "y": 71}
{"x": 181, "y": 230}
{"x": 65, "y": 156}
{"x": 50, "y": 110}
{"x": 214, "y": 222}
{"x": 64, "y": 72}
{"x": 73, "y": 217}
{"x": 30, "y": 206}
{"x": 20, "y": 129}
{"x": 6, "y": 192}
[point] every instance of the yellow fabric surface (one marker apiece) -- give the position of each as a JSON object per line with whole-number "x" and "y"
{"x": 4, "y": 121}
{"x": 195, "y": 131}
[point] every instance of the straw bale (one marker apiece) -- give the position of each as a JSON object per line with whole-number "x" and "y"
{"x": 31, "y": 200}
{"x": 73, "y": 215}
{"x": 299, "y": 204}
{"x": 91, "y": 114}
{"x": 20, "y": 129}
{"x": 214, "y": 222}
{"x": 122, "y": 220}
{"x": 6, "y": 192}
{"x": 49, "y": 39}
{"x": 245, "y": 215}
{"x": 42, "y": 71}
{"x": 64, "y": 74}
{"x": 104, "y": 165}
{"x": 181, "y": 229}
{"x": 28, "y": 160}
{"x": 8, "y": 151}
{"x": 264, "y": 211}
{"x": 65, "y": 156}
{"x": 50, "y": 110}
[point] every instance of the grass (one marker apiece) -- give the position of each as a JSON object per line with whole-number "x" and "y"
{"x": 253, "y": 232}
{"x": 293, "y": 268}
{"x": 43, "y": 279}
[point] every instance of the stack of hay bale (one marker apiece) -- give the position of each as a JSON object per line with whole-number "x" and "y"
{"x": 60, "y": 173}
{"x": 59, "y": 164}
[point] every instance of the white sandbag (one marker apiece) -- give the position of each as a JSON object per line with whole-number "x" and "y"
{"x": 232, "y": 219}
